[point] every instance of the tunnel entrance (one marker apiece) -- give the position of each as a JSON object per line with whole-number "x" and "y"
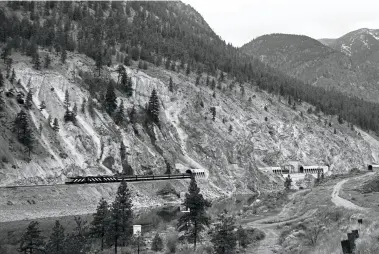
{"x": 301, "y": 169}
{"x": 188, "y": 171}
{"x": 370, "y": 167}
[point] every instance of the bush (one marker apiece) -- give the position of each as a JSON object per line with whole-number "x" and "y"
{"x": 167, "y": 189}
{"x": 172, "y": 241}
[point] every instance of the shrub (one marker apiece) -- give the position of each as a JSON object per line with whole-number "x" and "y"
{"x": 172, "y": 241}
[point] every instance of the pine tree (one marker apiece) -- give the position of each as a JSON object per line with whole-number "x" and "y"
{"x": 91, "y": 107}
{"x": 83, "y": 107}
{"x": 110, "y": 99}
{"x": 13, "y": 77}
{"x": 168, "y": 63}
{"x": 55, "y": 125}
{"x": 140, "y": 65}
{"x": 213, "y": 84}
{"x": 99, "y": 62}
{"x": 213, "y": 112}
{"x": 153, "y": 108}
{"x": 171, "y": 85}
{"x": 157, "y": 243}
{"x": 75, "y": 110}
{"x": 144, "y": 65}
{"x": 335, "y": 131}
{"x": 242, "y": 237}
{"x": 36, "y": 61}
{"x": 207, "y": 82}
{"x": 42, "y": 106}
{"x": 288, "y": 182}
{"x": 132, "y": 115}
{"x": 76, "y": 242}
{"x": 188, "y": 71}
{"x": 2, "y": 102}
{"x": 57, "y": 239}
{"x": 100, "y": 221}
{"x": 66, "y": 102}
{"x": 230, "y": 129}
{"x": 129, "y": 86}
{"x": 193, "y": 222}
{"x": 47, "y": 61}
{"x": 121, "y": 217}
{"x": 197, "y": 81}
{"x": 63, "y": 55}
{"x": 29, "y": 100}
{"x": 32, "y": 240}
{"x": 224, "y": 237}
{"x": 120, "y": 116}
{"x": 1, "y": 80}
{"x": 121, "y": 71}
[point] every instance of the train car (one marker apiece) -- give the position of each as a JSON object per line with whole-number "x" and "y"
{"x": 197, "y": 172}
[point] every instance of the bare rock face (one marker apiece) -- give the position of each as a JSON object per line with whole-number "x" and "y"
{"x": 229, "y": 148}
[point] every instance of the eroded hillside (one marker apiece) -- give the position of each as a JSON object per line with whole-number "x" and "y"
{"x": 264, "y": 130}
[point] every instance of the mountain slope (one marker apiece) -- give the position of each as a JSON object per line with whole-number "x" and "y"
{"x": 314, "y": 63}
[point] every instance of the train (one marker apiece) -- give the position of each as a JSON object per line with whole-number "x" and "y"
{"x": 197, "y": 173}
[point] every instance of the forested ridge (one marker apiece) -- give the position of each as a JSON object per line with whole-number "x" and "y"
{"x": 170, "y": 34}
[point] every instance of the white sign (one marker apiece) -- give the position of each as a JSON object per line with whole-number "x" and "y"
{"x": 137, "y": 229}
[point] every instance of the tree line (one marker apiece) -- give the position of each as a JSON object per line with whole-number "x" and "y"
{"x": 112, "y": 227}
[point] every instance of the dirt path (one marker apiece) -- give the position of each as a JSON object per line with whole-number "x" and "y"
{"x": 269, "y": 245}
{"x": 338, "y": 201}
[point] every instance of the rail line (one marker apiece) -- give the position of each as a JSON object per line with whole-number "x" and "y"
{"x": 107, "y": 179}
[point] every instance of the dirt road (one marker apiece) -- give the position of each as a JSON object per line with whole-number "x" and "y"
{"x": 338, "y": 201}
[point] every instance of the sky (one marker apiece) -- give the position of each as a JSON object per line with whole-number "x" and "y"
{"x": 240, "y": 21}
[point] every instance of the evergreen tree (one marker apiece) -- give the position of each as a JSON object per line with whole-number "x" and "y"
{"x": 121, "y": 71}
{"x": 99, "y": 62}
{"x": 13, "y": 77}
{"x": 242, "y": 237}
{"x": 57, "y": 240}
{"x": 144, "y": 65}
{"x": 29, "y": 100}
{"x": 335, "y": 131}
{"x": 213, "y": 84}
{"x": 127, "y": 60}
{"x": 153, "y": 108}
{"x": 47, "y": 61}
{"x": 66, "y": 102}
{"x": 110, "y": 99}
{"x": 42, "y": 106}
{"x": 193, "y": 222}
{"x": 63, "y": 55}
{"x": 171, "y": 85}
{"x": 32, "y": 240}
{"x": 188, "y": 71}
{"x": 224, "y": 237}
{"x": 197, "y": 81}
{"x": 2, "y": 102}
{"x": 168, "y": 63}
{"x": 213, "y": 112}
{"x": 1, "y": 80}
{"x": 100, "y": 221}
{"x": 55, "y": 125}
{"x": 140, "y": 65}
{"x": 230, "y": 129}
{"x": 121, "y": 217}
{"x": 288, "y": 182}
{"x": 83, "y": 107}
{"x": 340, "y": 120}
{"x": 157, "y": 243}
{"x": 129, "y": 86}
{"x": 75, "y": 110}
{"x": 76, "y": 242}
{"x": 168, "y": 168}
{"x": 207, "y": 82}
{"x": 120, "y": 116}
{"x": 36, "y": 61}
{"x": 132, "y": 115}
{"x": 91, "y": 107}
